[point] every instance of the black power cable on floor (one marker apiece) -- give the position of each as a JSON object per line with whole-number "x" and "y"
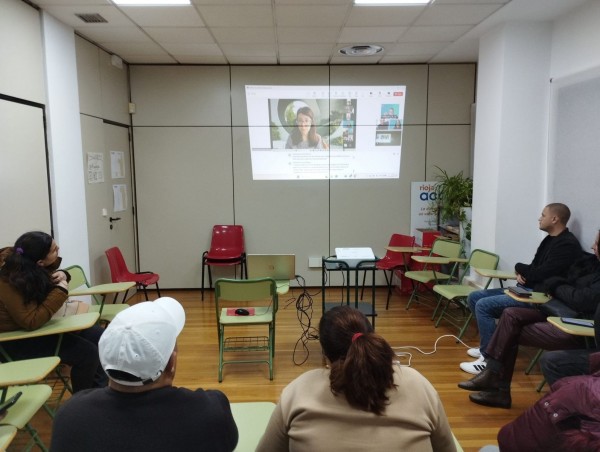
{"x": 304, "y": 311}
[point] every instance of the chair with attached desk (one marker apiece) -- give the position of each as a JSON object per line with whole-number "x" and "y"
{"x": 588, "y": 332}
{"x": 107, "y": 312}
{"x": 393, "y": 261}
{"x": 259, "y": 298}
{"x": 227, "y": 248}
{"x": 443, "y": 252}
{"x": 458, "y": 293}
{"x": 120, "y": 273}
{"x": 54, "y": 327}
{"x": 251, "y": 419}
{"x": 24, "y": 376}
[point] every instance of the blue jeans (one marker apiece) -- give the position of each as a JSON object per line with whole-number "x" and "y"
{"x": 487, "y": 306}
{"x": 565, "y": 363}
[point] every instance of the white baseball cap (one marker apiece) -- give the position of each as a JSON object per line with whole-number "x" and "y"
{"x": 141, "y": 339}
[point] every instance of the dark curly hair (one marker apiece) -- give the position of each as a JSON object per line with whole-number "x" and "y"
{"x": 361, "y": 364}
{"x": 21, "y": 270}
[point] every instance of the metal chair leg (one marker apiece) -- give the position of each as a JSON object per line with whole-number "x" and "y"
{"x": 202, "y": 285}
{"x": 437, "y": 308}
{"x": 464, "y": 328}
{"x": 389, "y": 284}
{"x": 541, "y": 385}
{"x": 413, "y": 295}
{"x": 534, "y": 361}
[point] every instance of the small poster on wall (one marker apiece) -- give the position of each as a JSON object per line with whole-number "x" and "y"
{"x": 119, "y": 197}
{"x": 422, "y": 206}
{"x": 95, "y": 167}
{"x": 117, "y": 164}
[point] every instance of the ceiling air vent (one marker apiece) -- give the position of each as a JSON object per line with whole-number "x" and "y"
{"x": 92, "y": 18}
{"x": 361, "y": 50}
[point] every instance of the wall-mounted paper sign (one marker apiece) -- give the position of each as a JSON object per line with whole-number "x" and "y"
{"x": 119, "y": 197}
{"x": 95, "y": 167}
{"x": 117, "y": 164}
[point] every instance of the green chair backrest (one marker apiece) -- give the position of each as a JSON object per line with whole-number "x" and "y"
{"x": 79, "y": 279}
{"x": 481, "y": 259}
{"x": 246, "y": 290}
{"x": 446, "y": 248}
{"x": 484, "y": 259}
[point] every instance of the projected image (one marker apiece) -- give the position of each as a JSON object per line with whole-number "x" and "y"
{"x": 389, "y": 128}
{"x": 322, "y": 132}
{"x": 299, "y": 123}
{"x": 343, "y": 124}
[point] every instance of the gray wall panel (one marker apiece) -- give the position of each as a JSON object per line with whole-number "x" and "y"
{"x": 184, "y": 187}
{"x": 181, "y": 95}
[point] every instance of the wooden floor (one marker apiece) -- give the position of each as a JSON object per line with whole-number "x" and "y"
{"x": 473, "y": 425}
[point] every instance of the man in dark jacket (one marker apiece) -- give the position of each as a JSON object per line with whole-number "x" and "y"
{"x": 527, "y": 326}
{"x": 559, "y": 249}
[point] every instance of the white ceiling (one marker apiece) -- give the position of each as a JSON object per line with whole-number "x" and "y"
{"x": 296, "y": 31}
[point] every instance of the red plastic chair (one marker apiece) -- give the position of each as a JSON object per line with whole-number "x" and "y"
{"x": 394, "y": 261}
{"x": 226, "y": 249}
{"x": 120, "y": 273}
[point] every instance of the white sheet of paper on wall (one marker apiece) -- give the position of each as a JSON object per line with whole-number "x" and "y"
{"x": 119, "y": 197}
{"x": 117, "y": 164}
{"x": 95, "y": 167}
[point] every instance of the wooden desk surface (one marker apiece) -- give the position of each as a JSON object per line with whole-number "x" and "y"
{"x": 54, "y": 326}
{"x": 500, "y": 274}
{"x": 251, "y": 419}
{"x": 7, "y": 433}
{"x": 536, "y": 297}
{"x": 26, "y": 371}
{"x": 102, "y": 289}
{"x": 571, "y": 329}
{"x": 407, "y": 249}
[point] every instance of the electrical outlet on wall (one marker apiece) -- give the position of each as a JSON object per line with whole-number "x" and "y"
{"x": 314, "y": 262}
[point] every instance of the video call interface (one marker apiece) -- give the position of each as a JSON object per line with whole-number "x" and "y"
{"x": 325, "y": 132}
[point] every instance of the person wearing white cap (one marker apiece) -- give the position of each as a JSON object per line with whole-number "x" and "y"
{"x": 141, "y": 410}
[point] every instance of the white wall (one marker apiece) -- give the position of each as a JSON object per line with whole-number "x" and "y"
{"x": 516, "y": 63}
{"x": 511, "y": 141}
{"x": 22, "y": 69}
{"x": 576, "y": 41}
{"x": 64, "y": 140}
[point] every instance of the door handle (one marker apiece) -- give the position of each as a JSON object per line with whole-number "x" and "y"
{"x": 111, "y": 219}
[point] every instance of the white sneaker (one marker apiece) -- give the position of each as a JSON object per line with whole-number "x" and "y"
{"x": 474, "y": 367}
{"x": 474, "y": 352}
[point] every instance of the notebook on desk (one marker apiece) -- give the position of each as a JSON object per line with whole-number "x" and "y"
{"x": 280, "y": 267}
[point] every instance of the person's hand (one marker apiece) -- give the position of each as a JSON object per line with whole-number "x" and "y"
{"x": 64, "y": 284}
{"x": 58, "y": 276}
{"x": 552, "y": 283}
{"x": 521, "y": 280}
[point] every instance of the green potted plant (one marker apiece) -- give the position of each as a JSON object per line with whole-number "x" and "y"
{"x": 454, "y": 196}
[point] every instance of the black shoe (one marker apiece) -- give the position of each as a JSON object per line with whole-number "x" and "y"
{"x": 486, "y": 380}
{"x": 495, "y": 399}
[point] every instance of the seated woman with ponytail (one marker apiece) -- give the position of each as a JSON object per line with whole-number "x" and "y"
{"x": 362, "y": 401}
{"x": 32, "y": 290}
